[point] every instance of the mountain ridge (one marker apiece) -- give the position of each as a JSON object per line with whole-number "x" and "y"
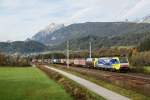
{"x": 22, "y": 47}
{"x": 42, "y": 34}
{"x": 100, "y": 29}
{"x": 145, "y": 19}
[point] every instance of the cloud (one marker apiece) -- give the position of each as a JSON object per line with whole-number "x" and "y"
{"x": 141, "y": 9}
{"x": 20, "y": 19}
{"x": 101, "y": 10}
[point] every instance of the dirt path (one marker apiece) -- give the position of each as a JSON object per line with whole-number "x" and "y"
{"x": 109, "y": 95}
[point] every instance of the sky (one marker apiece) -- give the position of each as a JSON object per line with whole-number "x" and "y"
{"x": 21, "y": 19}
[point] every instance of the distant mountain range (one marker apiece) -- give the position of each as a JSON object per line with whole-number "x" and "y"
{"x": 103, "y": 34}
{"x": 42, "y": 36}
{"x": 22, "y": 47}
{"x": 145, "y": 19}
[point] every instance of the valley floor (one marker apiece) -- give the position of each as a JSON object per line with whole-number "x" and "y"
{"x": 29, "y": 84}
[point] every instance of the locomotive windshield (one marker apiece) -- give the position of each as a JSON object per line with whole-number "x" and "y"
{"x": 114, "y": 61}
{"x": 123, "y": 60}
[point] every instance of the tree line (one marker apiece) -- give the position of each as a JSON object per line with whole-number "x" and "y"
{"x": 15, "y": 60}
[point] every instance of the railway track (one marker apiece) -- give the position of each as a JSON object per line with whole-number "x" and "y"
{"x": 134, "y": 81}
{"x": 129, "y": 74}
{"x": 137, "y": 75}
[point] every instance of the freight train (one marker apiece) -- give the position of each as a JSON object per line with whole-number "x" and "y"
{"x": 107, "y": 63}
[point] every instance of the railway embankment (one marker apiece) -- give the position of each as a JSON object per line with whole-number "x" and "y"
{"x": 109, "y": 95}
{"x": 134, "y": 86}
{"x": 75, "y": 90}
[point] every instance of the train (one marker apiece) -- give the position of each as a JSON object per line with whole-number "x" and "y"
{"x": 107, "y": 63}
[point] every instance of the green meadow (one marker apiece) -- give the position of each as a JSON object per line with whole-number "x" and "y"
{"x": 29, "y": 84}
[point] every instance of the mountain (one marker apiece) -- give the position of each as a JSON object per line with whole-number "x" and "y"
{"x": 101, "y": 30}
{"x": 82, "y": 43}
{"x": 22, "y": 47}
{"x": 41, "y": 35}
{"x": 145, "y": 19}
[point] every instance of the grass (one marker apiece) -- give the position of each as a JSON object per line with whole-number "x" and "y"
{"x": 126, "y": 47}
{"x": 29, "y": 84}
{"x": 76, "y": 90}
{"x": 129, "y": 93}
{"x": 141, "y": 69}
{"x": 147, "y": 69}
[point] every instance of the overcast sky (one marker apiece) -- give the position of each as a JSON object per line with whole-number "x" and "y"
{"x": 20, "y": 19}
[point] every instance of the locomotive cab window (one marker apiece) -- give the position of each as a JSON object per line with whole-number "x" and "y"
{"x": 123, "y": 60}
{"x": 114, "y": 61}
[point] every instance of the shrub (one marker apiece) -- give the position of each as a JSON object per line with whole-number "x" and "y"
{"x": 140, "y": 59}
{"x": 144, "y": 45}
{"x": 13, "y": 61}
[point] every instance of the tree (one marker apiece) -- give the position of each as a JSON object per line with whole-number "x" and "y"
{"x": 145, "y": 45}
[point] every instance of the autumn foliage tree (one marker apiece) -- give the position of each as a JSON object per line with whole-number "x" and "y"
{"x": 13, "y": 60}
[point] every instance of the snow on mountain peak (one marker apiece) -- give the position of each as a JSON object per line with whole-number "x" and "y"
{"x": 145, "y": 19}
{"x": 52, "y": 27}
{"x": 41, "y": 35}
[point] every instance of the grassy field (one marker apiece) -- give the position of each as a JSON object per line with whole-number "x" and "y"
{"x": 29, "y": 84}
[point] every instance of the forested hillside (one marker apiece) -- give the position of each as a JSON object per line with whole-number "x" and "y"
{"x": 102, "y": 30}
{"x": 129, "y": 39}
{"x": 22, "y": 47}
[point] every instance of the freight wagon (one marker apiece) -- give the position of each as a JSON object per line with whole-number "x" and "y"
{"x": 91, "y": 62}
{"x": 79, "y": 62}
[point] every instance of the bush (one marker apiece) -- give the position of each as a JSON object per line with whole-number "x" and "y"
{"x": 2, "y": 59}
{"x": 144, "y": 45}
{"x": 140, "y": 59}
{"x": 13, "y": 61}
